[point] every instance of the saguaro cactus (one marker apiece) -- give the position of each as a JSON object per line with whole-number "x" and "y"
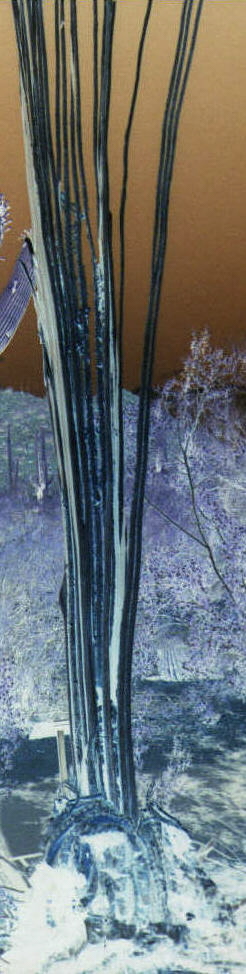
{"x": 102, "y": 553}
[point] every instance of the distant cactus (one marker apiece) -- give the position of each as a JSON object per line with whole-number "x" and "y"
{"x": 13, "y": 466}
{"x": 43, "y": 482}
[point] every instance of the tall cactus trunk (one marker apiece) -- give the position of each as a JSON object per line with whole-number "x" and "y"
{"x": 102, "y": 561}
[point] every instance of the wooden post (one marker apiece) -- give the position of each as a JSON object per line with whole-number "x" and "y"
{"x": 62, "y": 760}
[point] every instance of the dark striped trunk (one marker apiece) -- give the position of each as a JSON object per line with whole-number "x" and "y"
{"x": 102, "y": 564}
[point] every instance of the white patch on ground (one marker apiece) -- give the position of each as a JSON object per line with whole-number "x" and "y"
{"x": 50, "y": 935}
{"x": 48, "y": 924}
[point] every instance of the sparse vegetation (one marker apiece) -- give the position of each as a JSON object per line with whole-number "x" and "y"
{"x": 207, "y": 369}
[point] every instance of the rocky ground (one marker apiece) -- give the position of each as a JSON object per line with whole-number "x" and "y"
{"x": 189, "y": 685}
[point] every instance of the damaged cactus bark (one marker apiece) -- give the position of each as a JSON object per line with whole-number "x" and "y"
{"x": 102, "y": 552}
{"x": 17, "y": 294}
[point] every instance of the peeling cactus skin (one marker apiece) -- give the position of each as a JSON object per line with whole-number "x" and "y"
{"x": 16, "y": 296}
{"x": 120, "y": 866}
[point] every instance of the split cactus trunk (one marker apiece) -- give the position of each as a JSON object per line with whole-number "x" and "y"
{"x": 99, "y": 592}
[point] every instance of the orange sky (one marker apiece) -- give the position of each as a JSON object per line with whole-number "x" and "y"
{"x": 205, "y": 279}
